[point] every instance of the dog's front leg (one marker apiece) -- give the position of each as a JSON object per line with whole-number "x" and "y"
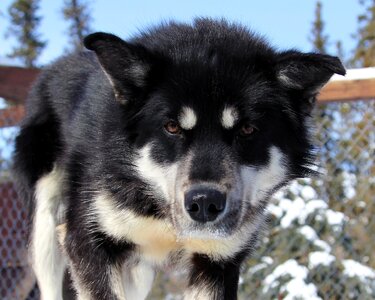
{"x": 212, "y": 280}
{"x": 102, "y": 269}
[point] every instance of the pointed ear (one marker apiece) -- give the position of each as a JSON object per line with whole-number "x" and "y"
{"x": 307, "y": 72}
{"x": 127, "y": 66}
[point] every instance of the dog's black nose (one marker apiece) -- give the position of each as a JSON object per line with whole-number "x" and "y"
{"x": 204, "y": 204}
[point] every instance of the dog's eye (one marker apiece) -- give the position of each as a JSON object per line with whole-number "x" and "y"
{"x": 172, "y": 127}
{"x": 247, "y": 129}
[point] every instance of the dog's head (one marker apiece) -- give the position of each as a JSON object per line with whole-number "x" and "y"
{"x": 217, "y": 119}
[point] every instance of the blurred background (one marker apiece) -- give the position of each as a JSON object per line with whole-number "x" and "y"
{"x": 321, "y": 236}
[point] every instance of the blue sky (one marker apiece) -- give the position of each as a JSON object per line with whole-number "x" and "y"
{"x": 285, "y": 23}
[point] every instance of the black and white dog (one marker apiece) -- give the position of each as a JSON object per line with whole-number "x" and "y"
{"x": 162, "y": 150}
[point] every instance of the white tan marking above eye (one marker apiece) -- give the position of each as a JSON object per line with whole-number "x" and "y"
{"x": 187, "y": 118}
{"x": 229, "y": 117}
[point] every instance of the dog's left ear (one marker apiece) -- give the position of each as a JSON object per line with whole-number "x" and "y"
{"x": 307, "y": 73}
{"x": 126, "y": 65}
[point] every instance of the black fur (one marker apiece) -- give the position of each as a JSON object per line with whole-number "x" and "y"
{"x": 91, "y": 124}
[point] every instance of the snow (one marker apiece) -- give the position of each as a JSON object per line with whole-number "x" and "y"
{"x": 293, "y": 211}
{"x": 296, "y": 288}
{"x": 353, "y": 268}
{"x": 323, "y": 245}
{"x": 361, "y": 204}
{"x": 335, "y": 218}
{"x": 314, "y": 205}
{"x": 266, "y": 261}
{"x": 298, "y": 210}
{"x": 310, "y": 235}
{"x": 257, "y": 268}
{"x": 279, "y": 194}
{"x": 308, "y": 193}
{"x": 295, "y": 188}
{"x": 290, "y": 267}
{"x": 349, "y": 183}
{"x": 355, "y": 74}
{"x": 320, "y": 258}
{"x": 308, "y": 232}
{"x": 285, "y": 204}
{"x": 275, "y": 210}
{"x": 349, "y": 192}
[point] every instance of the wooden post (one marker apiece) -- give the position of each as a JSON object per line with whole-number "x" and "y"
{"x": 15, "y": 83}
{"x": 358, "y": 84}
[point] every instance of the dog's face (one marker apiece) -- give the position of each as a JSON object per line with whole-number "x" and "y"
{"x": 217, "y": 123}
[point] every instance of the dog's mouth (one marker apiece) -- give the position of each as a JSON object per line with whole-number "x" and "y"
{"x": 203, "y": 234}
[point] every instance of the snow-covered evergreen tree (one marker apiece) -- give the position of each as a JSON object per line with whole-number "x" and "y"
{"x": 25, "y": 22}
{"x": 77, "y": 13}
{"x": 306, "y": 253}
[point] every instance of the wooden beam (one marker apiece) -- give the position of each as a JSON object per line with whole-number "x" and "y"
{"x": 15, "y": 82}
{"x": 348, "y": 90}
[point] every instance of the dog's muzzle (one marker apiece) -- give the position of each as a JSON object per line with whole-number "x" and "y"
{"x": 204, "y": 204}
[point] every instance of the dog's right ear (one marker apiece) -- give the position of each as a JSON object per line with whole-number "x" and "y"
{"x": 306, "y": 73}
{"x": 126, "y": 65}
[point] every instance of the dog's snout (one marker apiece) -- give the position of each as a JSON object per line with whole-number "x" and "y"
{"x": 204, "y": 204}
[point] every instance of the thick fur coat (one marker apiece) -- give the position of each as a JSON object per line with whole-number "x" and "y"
{"x": 162, "y": 150}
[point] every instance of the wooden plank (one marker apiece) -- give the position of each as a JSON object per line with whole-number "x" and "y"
{"x": 15, "y": 82}
{"x": 348, "y": 90}
{"x": 11, "y": 116}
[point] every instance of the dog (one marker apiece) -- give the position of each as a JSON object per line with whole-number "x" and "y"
{"x": 162, "y": 150}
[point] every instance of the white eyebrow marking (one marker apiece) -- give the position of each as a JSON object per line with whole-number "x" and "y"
{"x": 229, "y": 117}
{"x": 187, "y": 118}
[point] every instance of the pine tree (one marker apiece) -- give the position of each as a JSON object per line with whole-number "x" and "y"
{"x": 24, "y": 23}
{"x": 318, "y": 39}
{"x": 364, "y": 55}
{"x": 76, "y": 12}
{"x": 340, "y": 51}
